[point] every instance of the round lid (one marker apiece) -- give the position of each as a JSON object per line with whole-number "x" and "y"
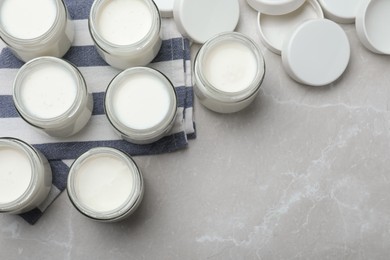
{"x": 317, "y": 52}
{"x": 372, "y": 25}
{"x": 275, "y": 7}
{"x": 202, "y": 19}
{"x": 165, "y": 7}
{"x": 274, "y": 29}
{"x": 341, "y": 11}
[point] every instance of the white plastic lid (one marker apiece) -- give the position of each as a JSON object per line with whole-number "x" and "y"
{"x": 274, "y": 29}
{"x": 372, "y": 25}
{"x": 317, "y": 52}
{"x": 275, "y": 7}
{"x": 341, "y": 11}
{"x": 202, "y": 19}
{"x": 165, "y": 7}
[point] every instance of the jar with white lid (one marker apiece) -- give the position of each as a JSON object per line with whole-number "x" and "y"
{"x": 105, "y": 184}
{"x": 51, "y": 95}
{"x": 229, "y": 70}
{"x": 25, "y": 177}
{"x": 127, "y": 33}
{"x": 141, "y": 105}
{"x": 36, "y": 28}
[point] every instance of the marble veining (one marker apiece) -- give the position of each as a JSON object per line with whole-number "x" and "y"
{"x": 303, "y": 173}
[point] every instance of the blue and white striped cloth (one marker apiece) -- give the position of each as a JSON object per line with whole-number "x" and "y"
{"x": 173, "y": 60}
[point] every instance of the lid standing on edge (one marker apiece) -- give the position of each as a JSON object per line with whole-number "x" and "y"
{"x": 372, "y": 25}
{"x": 275, "y": 7}
{"x": 202, "y": 19}
{"x": 317, "y": 53}
{"x": 341, "y": 11}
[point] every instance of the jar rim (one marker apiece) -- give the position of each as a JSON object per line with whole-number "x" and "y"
{"x": 131, "y": 202}
{"x": 41, "y": 39}
{"x": 143, "y": 134}
{"x": 48, "y": 123}
{"x": 36, "y": 167}
{"x": 112, "y": 48}
{"x": 225, "y": 96}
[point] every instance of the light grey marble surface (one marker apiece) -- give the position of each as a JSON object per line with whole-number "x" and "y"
{"x": 303, "y": 173}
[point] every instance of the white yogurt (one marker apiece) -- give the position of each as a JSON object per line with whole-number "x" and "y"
{"x": 15, "y": 173}
{"x": 36, "y": 28}
{"x": 26, "y": 19}
{"x": 103, "y": 182}
{"x": 124, "y": 22}
{"x": 230, "y": 66}
{"x": 25, "y": 177}
{"x": 228, "y": 72}
{"x": 141, "y": 105}
{"x": 127, "y": 33}
{"x": 48, "y": 91}
{"x": 51, "y": 94}
{"x": 141, "y": 101}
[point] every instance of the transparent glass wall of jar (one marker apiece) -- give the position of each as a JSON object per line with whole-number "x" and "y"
{"x": 25, "y": 177}
{"x": 36, "y": 28}
{"x": 141, "y": 105}
{"x": 131, "y": 37}
{"x": 51, "y": 95}
{"x": 229, "y": 70}
{"x": 105, "y": 185}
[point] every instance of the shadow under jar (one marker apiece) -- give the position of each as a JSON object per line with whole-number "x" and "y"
{"x": 127, "y": 33}
{"x": 25, "y": 177}
{"x": 229, "y": 70}
{"x": 36, "y": 28}
{"x": 105, "y": 184}
{"x": 51, "y": 95}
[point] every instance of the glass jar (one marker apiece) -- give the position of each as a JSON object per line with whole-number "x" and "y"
{"x": 229, "y": 69}
{"x": 51, "y": 95}
{"x": 36, "y": 28}
{"x": 129, "y": 38}
{"x": 141, "y": 105}
{"x": 25, "y": 177}
{"x": 105, "y": 184}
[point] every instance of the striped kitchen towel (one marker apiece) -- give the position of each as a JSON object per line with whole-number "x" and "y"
{"x": 173, "y": 60}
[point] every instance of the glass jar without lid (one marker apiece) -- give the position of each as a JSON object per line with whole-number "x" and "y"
{"x": 126, "y": 32}
{"x": 141, "y": 105}
{"x": 228, "y": 71}
{"x": 25, "y": 177}
{"x": 105, "y": 184}
{"x": 36, "y": 28}
{"x": 51, "y": 95}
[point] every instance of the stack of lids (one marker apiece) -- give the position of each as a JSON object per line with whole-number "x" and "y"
{"x": 315, "y": 51}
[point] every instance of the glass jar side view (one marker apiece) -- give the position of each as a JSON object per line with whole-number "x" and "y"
{"x": 229, "y": 70}
{"x": 36, "y": 28}
{"x": 129, "y": 40}
{"x": 25, "y": 177}
{"x": 51, "y": 95}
